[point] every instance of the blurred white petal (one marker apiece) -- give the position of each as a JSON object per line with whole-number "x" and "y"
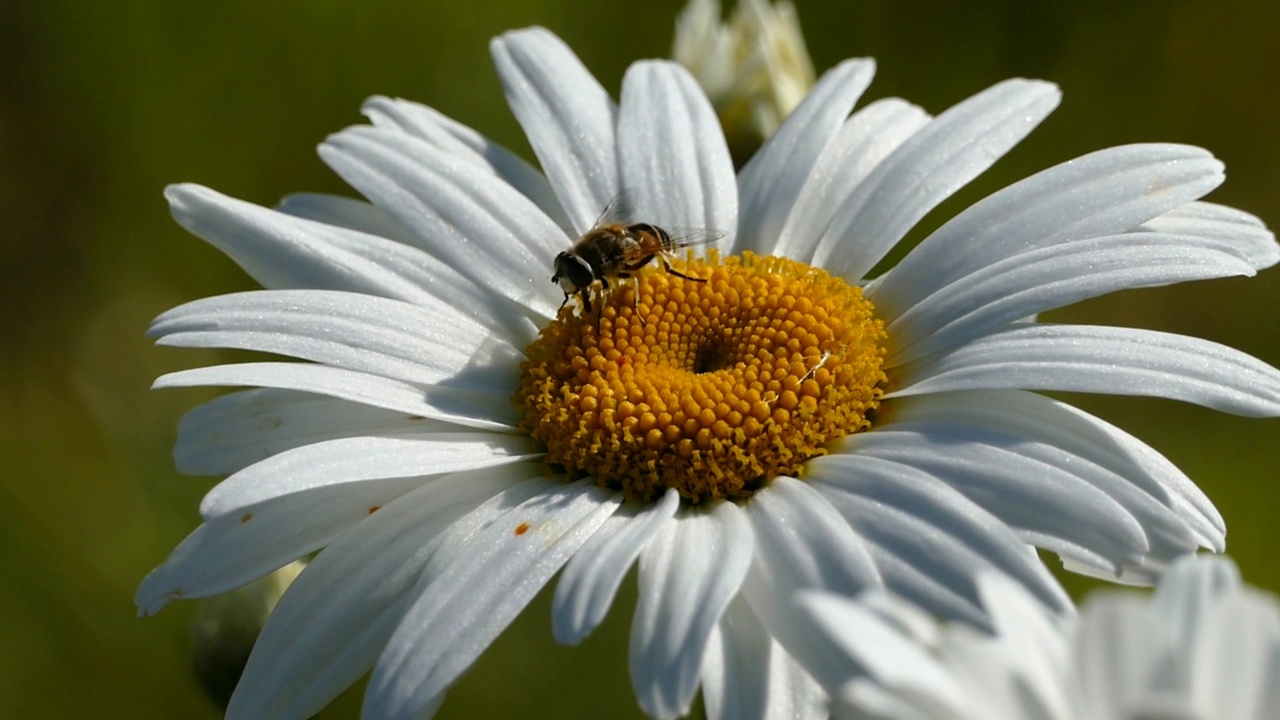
{"x": 1117, "y": 660}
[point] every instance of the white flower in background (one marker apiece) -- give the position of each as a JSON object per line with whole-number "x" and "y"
{"x": 226, "y": 627}
{"x": 667, "y": 427}
{"x": 755, "y": 67}
{"x": 1203, "y": 647}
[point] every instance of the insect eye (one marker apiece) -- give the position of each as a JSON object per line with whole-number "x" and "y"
{"x": 579, "y": 272}
{"x": 562, "y": 264}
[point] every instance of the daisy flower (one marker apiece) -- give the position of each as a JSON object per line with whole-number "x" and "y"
{"x": 754, "y": 68}
{"x": 1203, "y": 647}
{"x": 741, "y": 424}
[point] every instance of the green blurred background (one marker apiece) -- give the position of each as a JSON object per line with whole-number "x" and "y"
{"x": 102, "y": 104}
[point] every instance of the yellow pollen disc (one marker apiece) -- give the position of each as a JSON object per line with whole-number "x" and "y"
{"x": 711, "y": 387}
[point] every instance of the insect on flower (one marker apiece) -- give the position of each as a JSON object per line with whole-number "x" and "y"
{"x": 616, "y": 247}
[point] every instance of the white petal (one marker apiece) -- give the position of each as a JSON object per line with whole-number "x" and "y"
{"x": 335, "y": 619}
{"x": 461, "y": 610}
{"x": 671, "y": 147}
{"x": 770, "y": 184}
{"x": 237, "y": 548}
{"x": 349, "y": 460}
{"x": 1020, "y": 619}
{"x": 358, "y": 332}
{"x": 773, "y": 601}
{"x": 1235, "y": 660}
{"x": 746, "y": 675}
{"x": 461, "y": 141}
{"x": 865, "y": 699}
{"x": 936, "y": 161}
{"x": 1104, "y": 193}
{"x": 931, "y": 542}
{"x": 688, "y": 575}
{"x": 230, "y": 433}
{"x": 283, "y": 252}
{"x": 993, "y": 678}
{"x": 1040, "y": 496}
{"x": 475, "y": 222}
{"x": 798, "y": 530}
{"x": 1084, "y": 562}
{"x": 567, "y": 116}
{"x": 1029, "y": 437}
{"x": 411, "y": 405}
{"x": 462, "y": 533}
{"x": 865, "y": 140}
{"x": 735, "y": 671}
{"x": 344, "y": 212}
{"x": 1041, "y": 420}
{"x": 591, "y": 579}
{"x": 869, "y": 646}
{"x": 909, "y": 618}
{"x": 430, "y": 278}
{"x": 1119, "y": 644}
{"x": 1190, "y": 588}
{"x": 1118, "y": 361}
{"x": 1048, "y": 278}
{"x": 1219, "y": 222}
{"x": 1036, "y": 643}
{"x": 793, "y": 693}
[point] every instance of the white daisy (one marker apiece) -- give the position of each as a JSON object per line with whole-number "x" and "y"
{"x": 226, "y": 627}
{"x": 669, "y": 423}
{"x": 1203, "y": 647}
{"x": 754, "y": 68}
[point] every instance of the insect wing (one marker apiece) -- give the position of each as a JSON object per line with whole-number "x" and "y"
{"x": 691, "y": 237}
{"x": 620, "y": 210}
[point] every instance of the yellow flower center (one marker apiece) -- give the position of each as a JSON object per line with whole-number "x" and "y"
{"x": 710, "y": 387}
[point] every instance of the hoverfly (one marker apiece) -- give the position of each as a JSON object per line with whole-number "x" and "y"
{"x": 615, "y": 248}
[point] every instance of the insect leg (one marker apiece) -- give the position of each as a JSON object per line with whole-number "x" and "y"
{"x": 667, "y": 266}
{"x": 635, "y": 292}
{"x": 634, "y": 266}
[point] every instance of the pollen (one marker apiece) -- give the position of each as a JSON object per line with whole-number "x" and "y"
{"x": 711, "y": 387}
